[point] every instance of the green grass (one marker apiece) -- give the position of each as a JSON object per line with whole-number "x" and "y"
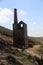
{"x": 40, "y": 50}
{"x": 16, "y": 63}
{"x": 12, "y": 60}
{"x": 19, "y": 53}
{"x": 24, "y": 57}
{"x": 26, "y": 60}
{"x": 2, "y": 57}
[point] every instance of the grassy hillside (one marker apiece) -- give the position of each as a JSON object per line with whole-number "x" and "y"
{"x": 36, "y": 39}
{"x": 5, "y": 31}
{"x": 12, "y": 56}
{"x": 9, "y": 32}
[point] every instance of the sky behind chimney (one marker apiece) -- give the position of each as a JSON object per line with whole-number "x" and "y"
{"x": 30, "y": 11}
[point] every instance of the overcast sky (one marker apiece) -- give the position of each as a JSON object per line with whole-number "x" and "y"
{"x": 30, "y": 11}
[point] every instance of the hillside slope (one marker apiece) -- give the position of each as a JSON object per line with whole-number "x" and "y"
{"x": 36, "y": 39}
{"x": 11, "y": 56}
{"x": 5, "y": 31}
{"x": 9, "y": 33}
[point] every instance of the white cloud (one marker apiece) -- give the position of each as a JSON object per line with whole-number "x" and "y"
{"x": 5, "y": 14}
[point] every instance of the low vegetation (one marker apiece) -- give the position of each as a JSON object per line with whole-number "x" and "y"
{"x": 40, "y": 50}
{"x": 5, "y": 31}
{"x": 12, "y": 61}
{"x": 8, "y": 32}
{"x": 14, "y": 54}
{"x": 2, "y": 57}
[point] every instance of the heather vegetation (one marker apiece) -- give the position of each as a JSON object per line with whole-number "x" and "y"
{"x": 14, "y": 56}
{"x": 5, "y": 31}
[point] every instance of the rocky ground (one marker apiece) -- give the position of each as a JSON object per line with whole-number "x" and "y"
{"x": 12, "y": 56}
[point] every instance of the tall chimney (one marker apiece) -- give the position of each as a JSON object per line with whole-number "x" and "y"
{"x": 15, "y": 16}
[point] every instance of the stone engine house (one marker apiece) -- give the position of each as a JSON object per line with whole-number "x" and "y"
{"x": 19, "y": 33}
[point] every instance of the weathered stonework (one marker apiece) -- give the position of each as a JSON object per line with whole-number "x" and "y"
{"x": 19, "y": 33}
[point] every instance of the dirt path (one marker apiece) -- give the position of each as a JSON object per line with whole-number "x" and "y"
{"x": 33, "y": 52}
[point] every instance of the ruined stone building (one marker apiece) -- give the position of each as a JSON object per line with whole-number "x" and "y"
{"x": 19, "y": 33}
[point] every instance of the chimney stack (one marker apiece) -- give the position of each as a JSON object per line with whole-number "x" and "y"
{"x": 15, "y": 16}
